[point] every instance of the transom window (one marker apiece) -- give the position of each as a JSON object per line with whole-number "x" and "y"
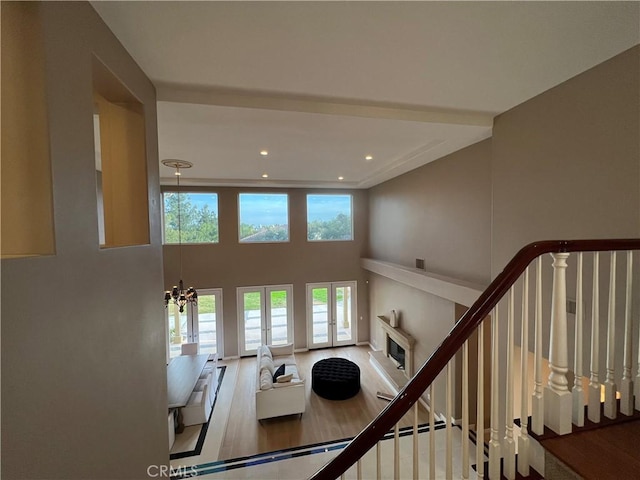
{"x": 198, "y": 217}
{"x": 263, "y": 217}
{"x": 329, "y": 217}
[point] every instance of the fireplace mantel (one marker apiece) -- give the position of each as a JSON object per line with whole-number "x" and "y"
{"x": 402, "y": 338}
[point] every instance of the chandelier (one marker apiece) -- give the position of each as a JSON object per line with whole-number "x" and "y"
{"x": 179, "y": 296}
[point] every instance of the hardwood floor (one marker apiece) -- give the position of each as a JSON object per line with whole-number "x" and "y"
{"x": 324, "y": 420}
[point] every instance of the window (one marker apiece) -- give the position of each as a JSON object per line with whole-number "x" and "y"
{"x": 263, "y": 217}
{"x": 329, "y": 217}
{"x": 198, "y": 217}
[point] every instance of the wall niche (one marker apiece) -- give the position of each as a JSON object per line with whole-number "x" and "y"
{"x": 121, "y": 162}
{"x": 27, "y": 192}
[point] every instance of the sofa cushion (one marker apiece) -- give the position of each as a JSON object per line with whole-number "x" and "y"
{"x": 265, "y": 352}
{"x": 278, "y": 372}
{"x": 266, "y": 362}
{"x": 281, "y": 349}
{"x": 293, "y": 370}
{"x": 286, "y": 359}
{"x": 288, "y": 384}
{"x": 266, "y": 379}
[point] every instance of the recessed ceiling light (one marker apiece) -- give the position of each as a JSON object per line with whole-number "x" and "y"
{"x": 340, "y": 178}
{"x": 264, "y": 175}
{"x": 369, "y": 157}
{"x": 264, "y": 153}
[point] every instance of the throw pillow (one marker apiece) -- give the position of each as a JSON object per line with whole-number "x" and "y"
{"x": 285, "y": 378}
{"x": 278, "y": 372}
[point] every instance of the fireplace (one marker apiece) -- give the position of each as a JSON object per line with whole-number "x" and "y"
{"x": 397, "y": 347}
{"x": 395, "y": 352}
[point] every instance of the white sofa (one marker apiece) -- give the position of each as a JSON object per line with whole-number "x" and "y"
{"x": 274, "y": 399}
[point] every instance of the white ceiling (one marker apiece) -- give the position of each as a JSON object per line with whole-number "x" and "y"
{"x": 322, "y": 84}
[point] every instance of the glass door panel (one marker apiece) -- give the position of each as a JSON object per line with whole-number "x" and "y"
{"x": 278, "y": 333}
{"x": 319, "y": 315}
{"x": 343, "y": 307}
{"x": 251, "y": 308}
{"x": 331, "y": 314}
{"x": 266, "y": 316}
{"x": 207, "y": 329}
{"x": 201, "y": 323}
{"x": 178, "y": 334}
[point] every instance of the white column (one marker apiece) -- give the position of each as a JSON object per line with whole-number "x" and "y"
{"x": 577, "y": 392}
{"x": 448, "y": 428}
{"x": 537, "y": 400}
{"x": 465, "y": 410}
{"x": 523, "y": 439}
{"x": 557, "y": 398}
{"x": 432, "y": 433}
{"x": 494, "y": 442}
{"x": 593, "y": 412}
{"x": 610, "y": 404}
{"x": 480, "y": 405}
{"x": 626, "y": 385}
{"x": 508, "y": 444}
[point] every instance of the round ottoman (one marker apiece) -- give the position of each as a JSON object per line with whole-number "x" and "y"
{"x": 335, "y": 378}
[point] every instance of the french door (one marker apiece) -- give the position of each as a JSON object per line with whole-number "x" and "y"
{"x": 331, "y": 314}
{"x": 265, "y": 316}
{"x": 201, "y": 323}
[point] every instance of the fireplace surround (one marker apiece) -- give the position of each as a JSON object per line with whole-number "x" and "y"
{"x": 397, "y": 377}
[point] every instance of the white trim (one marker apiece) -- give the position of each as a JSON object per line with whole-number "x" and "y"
{"x": 458, "y": 291}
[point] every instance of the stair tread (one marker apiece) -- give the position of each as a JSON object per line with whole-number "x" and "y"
{"x": 609, "y": 452}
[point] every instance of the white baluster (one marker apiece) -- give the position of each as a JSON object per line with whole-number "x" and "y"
{"x": 577, "y": 393}
{"x": 359, "y": 469}
{"x": 480, "y": 405}
{"x": 416, "y": 454}
{"x": 610, "y": 405}
{"x": 449, "y": 413}
{"x": 557, "y": 398}
{"x": 593, "y": 412}
{"x": 494, "y": 442}
{"x": 378, "y": 461}
{"x": 509, "y": 465}
{"x": 626, "y": 385}
{"x": 465, "y": 410}
{"x": 396, "y": 452}
{"x": 523, "y": 439}
{"x": 537, "y": 401}
{"x": 432, "y": 434}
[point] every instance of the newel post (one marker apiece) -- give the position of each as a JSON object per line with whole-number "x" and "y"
{"x": 557, "y": 397}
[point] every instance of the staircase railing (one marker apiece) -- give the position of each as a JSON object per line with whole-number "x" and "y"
{"x": 554, "y": 406}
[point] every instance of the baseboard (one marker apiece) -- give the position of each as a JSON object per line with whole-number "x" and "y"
{"x": 300, "y": 350}
{"x": 232, "y": 357}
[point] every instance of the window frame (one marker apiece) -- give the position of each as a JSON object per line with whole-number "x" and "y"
{"x": 262, "y": 242}
{"x": 183, "y": 192}
{"x": 350, "y": 216}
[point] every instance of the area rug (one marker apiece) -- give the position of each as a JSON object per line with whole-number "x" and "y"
{"x": 189, "y": 443}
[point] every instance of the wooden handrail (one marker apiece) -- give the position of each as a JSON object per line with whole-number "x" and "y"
{"x": 460, "y": 332}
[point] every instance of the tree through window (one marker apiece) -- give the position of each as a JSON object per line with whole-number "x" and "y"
{"x": 198, "y": 217}
{"x": 329, "y": 217}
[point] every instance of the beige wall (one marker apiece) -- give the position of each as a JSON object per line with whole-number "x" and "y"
{"x": 439, "y": 212}
{"x": 83, "y": 346}
{"x": 566, "y": 164}
{"x": 229, "y": 264}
